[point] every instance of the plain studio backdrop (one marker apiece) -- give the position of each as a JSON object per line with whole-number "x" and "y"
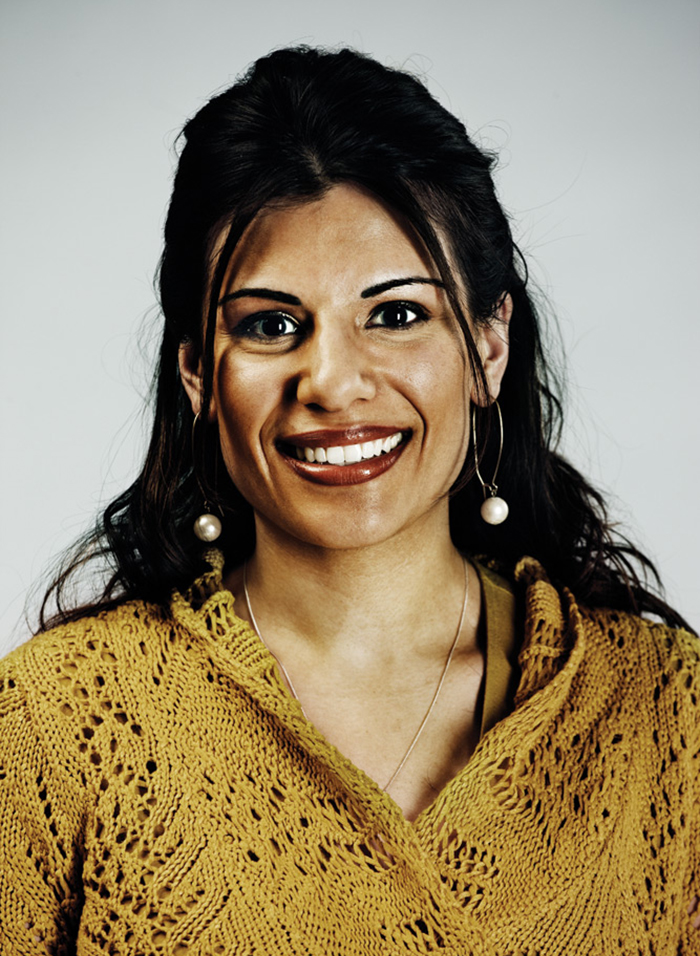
{"x": 592, "y": 106}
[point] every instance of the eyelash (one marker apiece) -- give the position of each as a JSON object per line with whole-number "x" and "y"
{"x": 249, "y": 327}
{"x": 420, "y": 313}
{"x": 246, "y": 328}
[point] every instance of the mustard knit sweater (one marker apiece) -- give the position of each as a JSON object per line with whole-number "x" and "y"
{"x": 161, "y": 793}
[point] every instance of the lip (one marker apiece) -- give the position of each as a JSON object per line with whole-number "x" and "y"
{"x": 349, "y": 474}
{"x": 353, "y": 435}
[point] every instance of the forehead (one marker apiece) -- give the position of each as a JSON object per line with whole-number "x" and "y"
{"x": 347, "y": 235}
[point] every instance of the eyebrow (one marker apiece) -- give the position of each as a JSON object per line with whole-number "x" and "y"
{"x": 273, "y": 294}
{"x": 393, "y": 283}
{"x": 368, "y": 293}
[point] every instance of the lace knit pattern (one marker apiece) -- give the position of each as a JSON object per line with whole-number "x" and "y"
{"x": 161, "y": 793}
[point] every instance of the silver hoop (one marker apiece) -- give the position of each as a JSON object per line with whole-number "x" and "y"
{"x": 494, "y": 510}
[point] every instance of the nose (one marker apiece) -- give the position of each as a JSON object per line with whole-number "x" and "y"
{"x": 336, "y": 371}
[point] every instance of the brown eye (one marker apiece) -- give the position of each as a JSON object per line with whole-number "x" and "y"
{"x": 397, "y": 315}
{"x": 267, "y": 325}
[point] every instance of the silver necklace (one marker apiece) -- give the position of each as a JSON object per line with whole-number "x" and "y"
{"x": 435, "y": 696}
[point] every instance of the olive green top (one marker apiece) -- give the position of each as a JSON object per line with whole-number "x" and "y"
{"x": 500, "y": 646}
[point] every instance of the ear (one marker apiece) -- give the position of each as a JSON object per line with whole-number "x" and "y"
{"x": 190, "y": 362}
{"x": 492, "y": 343}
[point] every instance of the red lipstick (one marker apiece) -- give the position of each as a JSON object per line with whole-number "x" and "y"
{"x": 353, "y": 435}
{"x": 348, "y": 473}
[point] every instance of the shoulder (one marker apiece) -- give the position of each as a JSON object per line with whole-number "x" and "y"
{"x": 126, "y": 667}
{"x": 71, "y": 667}
{"x": 74, "y": 696}
{"x": 655, "y": 671}
{"x": 87, "y": 638}
{"x": 662, "y": 662}
{"x": 649, "y": 644}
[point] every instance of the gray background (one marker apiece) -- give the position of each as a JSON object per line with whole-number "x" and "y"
{"x": 593, "y": 107}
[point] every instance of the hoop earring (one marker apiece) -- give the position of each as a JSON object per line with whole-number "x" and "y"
{"x": 494, "y": 510}
{"x": 207, "y": 527}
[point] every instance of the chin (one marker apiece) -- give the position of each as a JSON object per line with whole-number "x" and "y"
{"x": 345, "y": 535}
{"x": 347, "y": 529}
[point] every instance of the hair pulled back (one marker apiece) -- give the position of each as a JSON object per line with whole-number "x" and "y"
{"x": 300, "y": 121}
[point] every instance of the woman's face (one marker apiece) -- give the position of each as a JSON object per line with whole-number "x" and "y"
{"x": 341, "y": 382}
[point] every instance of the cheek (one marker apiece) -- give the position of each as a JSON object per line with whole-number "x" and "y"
{"x": 440, "y": 386}
{"x": 242, "y": 397}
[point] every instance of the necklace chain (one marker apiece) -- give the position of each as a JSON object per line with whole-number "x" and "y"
{"x": 435, "y": 696}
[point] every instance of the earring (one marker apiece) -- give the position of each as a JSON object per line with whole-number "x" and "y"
{"x": 494, "y": 510}
{"x": 207, "y": 527}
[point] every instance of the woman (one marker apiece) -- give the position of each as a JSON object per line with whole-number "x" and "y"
{"x": 338, "y": 732}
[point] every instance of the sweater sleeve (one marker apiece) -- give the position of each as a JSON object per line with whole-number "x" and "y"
{"x": 40, "y": 826}
{"x": 688, "y": 669}
{"x": 690, "y": 936}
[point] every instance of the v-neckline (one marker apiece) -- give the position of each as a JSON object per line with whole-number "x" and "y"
{"x": 246, "y": 648}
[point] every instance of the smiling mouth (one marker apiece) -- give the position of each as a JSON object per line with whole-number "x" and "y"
{"x": 349, "y": 454}
{"x": 347, "y": 464}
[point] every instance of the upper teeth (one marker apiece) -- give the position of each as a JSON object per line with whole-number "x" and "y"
{"x": 349, "y": 454}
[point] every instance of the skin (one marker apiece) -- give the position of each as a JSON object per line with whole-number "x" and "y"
{"x": 365, "y": 662}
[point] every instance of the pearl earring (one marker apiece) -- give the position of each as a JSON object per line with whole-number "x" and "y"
{"x": 207, "y": 527}
{"x": 494, "y": 510}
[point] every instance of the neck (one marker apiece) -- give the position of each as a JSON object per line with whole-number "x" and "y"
{"x": 403, "y": 591}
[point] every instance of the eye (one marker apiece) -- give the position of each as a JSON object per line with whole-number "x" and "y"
{"x": 397, "y": 315}
{"x": 267, "y": 325}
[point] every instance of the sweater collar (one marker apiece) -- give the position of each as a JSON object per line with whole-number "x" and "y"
{"x": 552, "y": 629}
{"x": 552, "y": 649}
{"x": 207, "y": 610}
{"x": 550, "y": 623}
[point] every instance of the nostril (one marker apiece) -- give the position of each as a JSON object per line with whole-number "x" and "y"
{"x": 334, "y": 392}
